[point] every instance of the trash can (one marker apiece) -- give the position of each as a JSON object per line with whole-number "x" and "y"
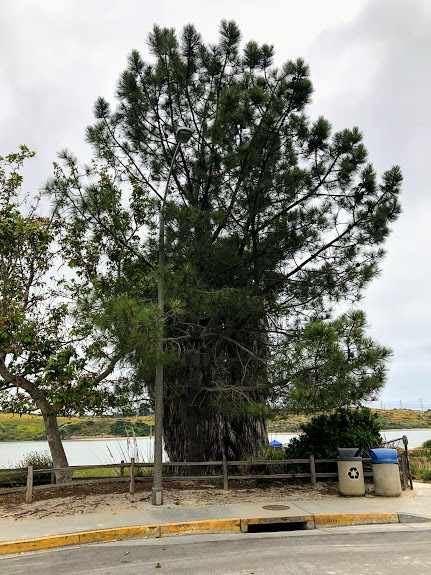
{"x": 386, "y": 472}
{"x": 350, "y": 472}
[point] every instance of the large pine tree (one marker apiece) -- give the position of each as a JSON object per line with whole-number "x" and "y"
{"x": 271, "y": 219}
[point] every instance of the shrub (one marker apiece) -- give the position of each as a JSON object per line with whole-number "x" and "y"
{"x": 39, "y": 460}
{"x": 420, "y": 463}
{"x": 324, "y": 434}
{"x": 427, "y": 444}
{"x": 123, "y": 428}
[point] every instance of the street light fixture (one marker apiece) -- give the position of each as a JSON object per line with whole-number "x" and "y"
{"x": 182, "y": 136}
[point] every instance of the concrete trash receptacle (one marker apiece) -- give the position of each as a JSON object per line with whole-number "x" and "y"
{"x": 386, "y": 472}
{"x": 350, "y": 472}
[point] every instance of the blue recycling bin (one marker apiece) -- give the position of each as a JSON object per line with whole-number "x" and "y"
{"x": 386, "y": 472}
{"x": 383, "y": 455}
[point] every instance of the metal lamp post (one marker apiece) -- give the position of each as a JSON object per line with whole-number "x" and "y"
{"x": 182, "y": 136}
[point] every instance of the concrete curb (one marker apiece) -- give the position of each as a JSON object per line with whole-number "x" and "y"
{"x": 334, "y": 519}
{"x": 190, "y": 527}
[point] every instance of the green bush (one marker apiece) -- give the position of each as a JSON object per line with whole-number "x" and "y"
{"x": 324, "y": 434}
{"x": 269, "y": 454}
{"x": 123, "y": 427}
{"x": 39, "y": 460}
{"x": 426, "y": 475}
{"x": 420, "y": 462}
{"x": 427, "y": 444}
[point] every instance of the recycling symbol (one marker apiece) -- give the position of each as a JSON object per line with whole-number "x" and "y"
{"x": 353, "y": 473}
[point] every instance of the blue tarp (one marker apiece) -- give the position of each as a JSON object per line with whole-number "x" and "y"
{"x": 275, "y": 443}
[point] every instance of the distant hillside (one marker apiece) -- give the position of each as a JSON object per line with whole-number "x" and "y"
{"x": 403, "y": 418}
{"x": 389, "y": 419}
{"x": 30, "y": 427}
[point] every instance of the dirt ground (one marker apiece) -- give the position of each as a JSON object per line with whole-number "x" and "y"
{"x": 114, "y": 497}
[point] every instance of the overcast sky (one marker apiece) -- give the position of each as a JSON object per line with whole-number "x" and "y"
{"x": 370, "y": 64}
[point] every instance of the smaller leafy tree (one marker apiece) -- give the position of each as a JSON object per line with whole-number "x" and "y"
{"x": 324, "y": 434}
{"x": 52, "y": 359}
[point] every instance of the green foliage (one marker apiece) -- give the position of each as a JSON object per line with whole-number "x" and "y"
{"x": 271, "y": 454}
{"x": 427, "y": 444}
{"x": 271, "y": 220}
{"x": 47, "y": 353}
{"x": 420, "y": 462}
{"x": 39, "y": 460}
{"x": 122, "y": 427}
{"x": 333, "y": 364}
{"x": 425, "y": 475}
{"x": 324, "y": 434}
{"x": 97, "y": 472}
{"x": 117, "y": 427}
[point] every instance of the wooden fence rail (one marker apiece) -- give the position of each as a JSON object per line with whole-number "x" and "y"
{"x": 225, "y": 472}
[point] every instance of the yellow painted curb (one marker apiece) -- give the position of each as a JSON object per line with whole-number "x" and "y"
{"x": 206, "y": 526}
{"x": 38, "y": 544}
{"x": 119, "y": 533}
{"x": 354, "y": 518}
{"x": 189, "y": 527}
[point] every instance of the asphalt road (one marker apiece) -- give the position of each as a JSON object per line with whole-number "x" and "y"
{"x": 374, "y": 550}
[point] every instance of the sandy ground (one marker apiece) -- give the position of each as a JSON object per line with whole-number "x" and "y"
{"x": 115, "y": 498}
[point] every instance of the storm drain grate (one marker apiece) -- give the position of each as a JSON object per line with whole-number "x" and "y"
{"x": 273, "y": 527}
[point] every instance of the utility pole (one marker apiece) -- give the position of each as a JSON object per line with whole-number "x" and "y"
{"x": 182, "y": 136}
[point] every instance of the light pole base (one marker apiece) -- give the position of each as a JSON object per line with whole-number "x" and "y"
{"x": 157, "y": 496}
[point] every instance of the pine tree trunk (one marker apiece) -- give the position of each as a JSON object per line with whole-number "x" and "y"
{"x": 196, "y": 427}
{"x": 196, "y": 432}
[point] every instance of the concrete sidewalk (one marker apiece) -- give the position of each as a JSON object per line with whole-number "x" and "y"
{"x": 174, "y": 520}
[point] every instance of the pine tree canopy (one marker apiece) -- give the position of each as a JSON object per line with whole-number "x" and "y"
{"x": 272, "y": 221}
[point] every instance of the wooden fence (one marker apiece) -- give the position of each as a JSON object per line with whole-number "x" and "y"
{"x": 225, "y": 474}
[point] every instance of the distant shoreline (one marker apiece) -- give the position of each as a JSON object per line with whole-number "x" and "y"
{"x": 104, "y": 437}
{"x": 278, "y": 432}
{"x": 29, "y": 427}
{"x": 406, "y": 429}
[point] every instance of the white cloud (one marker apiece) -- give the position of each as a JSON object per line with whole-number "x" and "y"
{"x": 370, "y": 67}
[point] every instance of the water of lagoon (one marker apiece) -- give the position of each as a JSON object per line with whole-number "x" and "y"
{"x": 102, "y": 451}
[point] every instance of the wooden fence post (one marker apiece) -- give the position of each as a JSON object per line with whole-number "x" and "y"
{"x": 122, "y": 468}
{"x": 29, "y": 491}
{"x": 225, "y": 477}
{"x": 313, "y": 470}
{"x": 404, "y": 470}
{"x": 132, "y": 475}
